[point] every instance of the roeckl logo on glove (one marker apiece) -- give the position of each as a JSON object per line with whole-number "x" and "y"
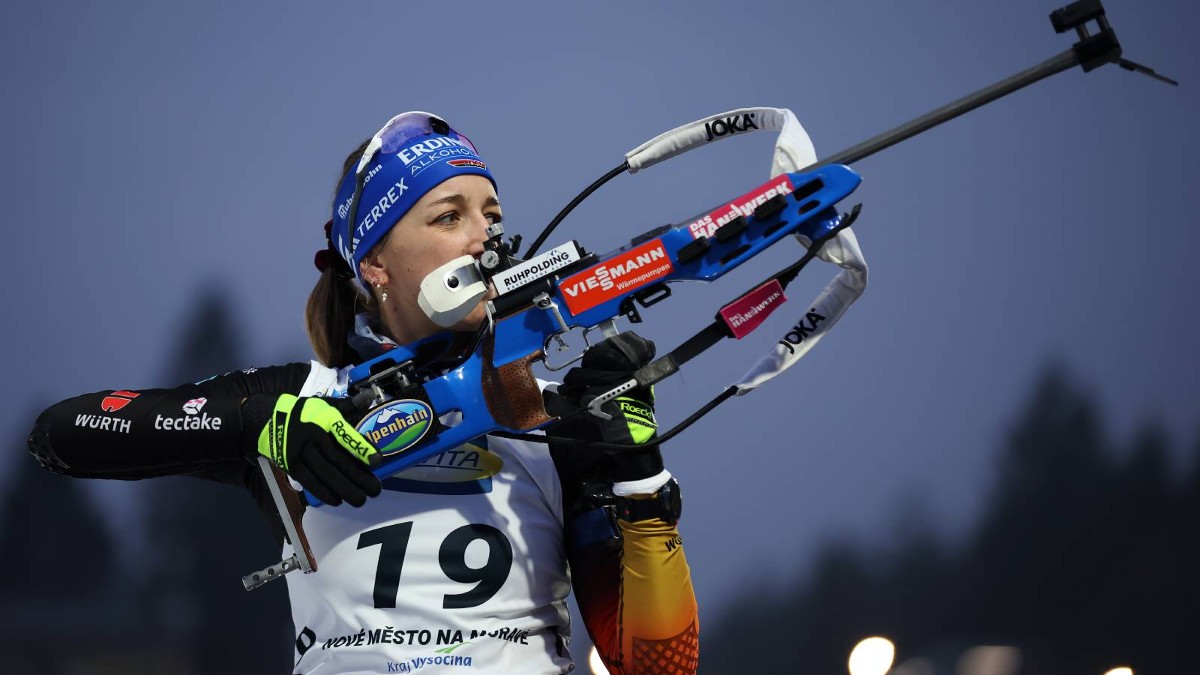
{"x": 351, "y": 443}
{"x": 279, "y": 425}
{"x": 635, "y": 409}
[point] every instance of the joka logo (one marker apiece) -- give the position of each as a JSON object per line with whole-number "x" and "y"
{"x": 396, "y": 426}
{"x": 117, "y": 400}
{"x": 800, "y": 331}
{"x": 729, "y": 125}
{"x": 193, "y": 406}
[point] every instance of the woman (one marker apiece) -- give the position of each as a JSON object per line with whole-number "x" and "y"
{"x": 461, "y": 561}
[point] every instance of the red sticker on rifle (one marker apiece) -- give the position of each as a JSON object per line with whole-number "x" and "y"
{"x": 706, "y": 225}
{"x": 616, "y": 276}
{"x": 749, "y": 311}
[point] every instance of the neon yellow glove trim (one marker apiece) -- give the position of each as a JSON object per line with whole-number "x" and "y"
{"x": 639, "y": 417}
{"x": 273, "y": 440}
{"x": 328, "y": 418}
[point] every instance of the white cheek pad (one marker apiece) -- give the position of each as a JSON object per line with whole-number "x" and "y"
{"x": 452, "y": 291}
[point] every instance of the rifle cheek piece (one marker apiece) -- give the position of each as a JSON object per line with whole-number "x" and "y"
{"x": 452, "y": 291}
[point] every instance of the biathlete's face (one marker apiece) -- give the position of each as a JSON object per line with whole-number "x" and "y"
{"x": 447, "y": 222}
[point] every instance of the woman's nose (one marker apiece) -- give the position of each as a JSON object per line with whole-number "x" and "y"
{"x": 479, "y": 234}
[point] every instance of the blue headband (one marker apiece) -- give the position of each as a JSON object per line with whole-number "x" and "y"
{"x": 412, "y": 154}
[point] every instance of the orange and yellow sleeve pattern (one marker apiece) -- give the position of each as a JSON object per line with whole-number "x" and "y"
{"x": 634, "y": 590}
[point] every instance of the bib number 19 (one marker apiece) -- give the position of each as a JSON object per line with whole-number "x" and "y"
{"x": 452, "y": 557}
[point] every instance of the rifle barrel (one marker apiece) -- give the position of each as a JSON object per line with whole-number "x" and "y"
{"x": 1051, "y": 66}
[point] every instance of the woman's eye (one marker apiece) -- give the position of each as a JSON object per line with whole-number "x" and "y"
{"x": 494, "y": 218}
{"x": 447, "y": 218}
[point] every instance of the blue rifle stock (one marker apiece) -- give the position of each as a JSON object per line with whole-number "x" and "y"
{"x": 523, "y": 331}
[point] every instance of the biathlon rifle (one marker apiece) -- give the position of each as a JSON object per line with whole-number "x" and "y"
{"x": 425, "y": 398}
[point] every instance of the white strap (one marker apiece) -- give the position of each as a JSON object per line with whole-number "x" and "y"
{"x": 645, "y": 486}
{"x": 819, "y": 316}
{"x": 793, "y": 149}
{"x": 793, "y": 152}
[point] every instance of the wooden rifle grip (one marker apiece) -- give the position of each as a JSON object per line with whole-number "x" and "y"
{"x": 511, "y": 391}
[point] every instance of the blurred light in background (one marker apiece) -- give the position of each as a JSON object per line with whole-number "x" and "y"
{"x": 1120, "y": 671}
{"x": 989, "y": 660}
{"x": 595, "y": 663}
{"x": 872, "y": 656}
{"x": 915, "y": 666}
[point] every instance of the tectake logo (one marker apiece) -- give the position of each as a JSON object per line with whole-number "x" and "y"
{"x": 396, "y": 426}
{"x": 193, "y": 406}
{"x": 117, "y": 400}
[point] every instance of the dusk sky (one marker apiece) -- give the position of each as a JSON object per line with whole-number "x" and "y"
{"x": 158, "y": 149}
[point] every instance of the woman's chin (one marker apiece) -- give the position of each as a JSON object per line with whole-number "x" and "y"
{"x": 473, "y": 321}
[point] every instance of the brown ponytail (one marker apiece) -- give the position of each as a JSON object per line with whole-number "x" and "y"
{"x": 329, "y": 314}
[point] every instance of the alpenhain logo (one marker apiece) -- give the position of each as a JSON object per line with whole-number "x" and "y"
{"x": 117, "y": 400}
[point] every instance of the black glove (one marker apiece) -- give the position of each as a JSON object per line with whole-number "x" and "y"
{"x": 311, "y": 440}
{"x": 608, "y": 364}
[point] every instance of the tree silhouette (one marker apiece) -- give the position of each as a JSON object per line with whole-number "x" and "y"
{"x": 1084, "y": 559}
{"x": 206, "y": 535}
{"x": 1044, "y": 516}
{"x": 59, "y": 582}
{"x": 47, "y": 520}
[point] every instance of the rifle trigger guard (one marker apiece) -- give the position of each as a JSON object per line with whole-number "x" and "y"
{"x": 594, "y": 406}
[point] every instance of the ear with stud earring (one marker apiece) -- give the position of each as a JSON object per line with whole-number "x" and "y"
{"x": 382, "y": 294}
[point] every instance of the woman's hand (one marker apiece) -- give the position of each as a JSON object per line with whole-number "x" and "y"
{"x": 311, "y": 440}
{"x": 608, "y": 364}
